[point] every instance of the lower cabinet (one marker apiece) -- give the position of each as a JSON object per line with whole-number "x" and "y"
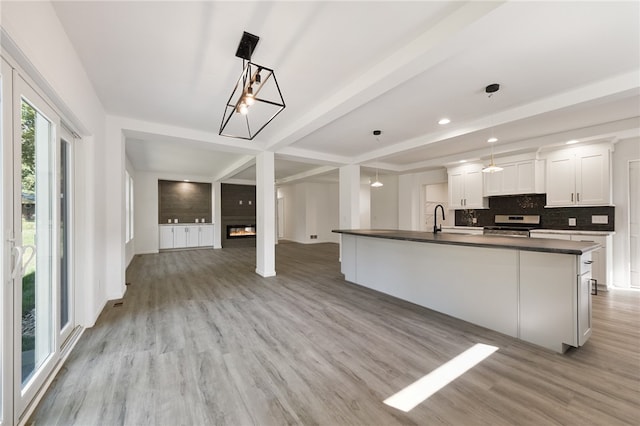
{"x": 555, "y": 299}
{"x": 584, "y": 307}
{"x": 602, "y": 258}
{"x": 183, "y": 236}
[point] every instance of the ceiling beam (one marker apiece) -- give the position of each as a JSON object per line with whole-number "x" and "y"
{"x": 429, "y": 49}
{"x": 622, "y": 85}
{"x": 305, "y": 175}
{"x": 236, "y": 167}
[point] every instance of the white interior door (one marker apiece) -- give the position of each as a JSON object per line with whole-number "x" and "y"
{"x": 634, "y": 222}
{"x": 35, "y": 215}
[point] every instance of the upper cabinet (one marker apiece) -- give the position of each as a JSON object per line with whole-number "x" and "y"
{"x": 579, "y": 177}
{"x": 518, "y": 177}
{"x": 466, "y": 187}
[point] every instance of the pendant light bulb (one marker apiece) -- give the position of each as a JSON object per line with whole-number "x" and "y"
{"x": 243, "y": 108}
{"x": 249, "y": 99}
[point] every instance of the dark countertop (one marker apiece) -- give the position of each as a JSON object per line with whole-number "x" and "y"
{"x": 491, "y": 241}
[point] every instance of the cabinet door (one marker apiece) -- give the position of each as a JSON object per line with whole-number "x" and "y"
{"x": 493, "y": 183}
{"x": 592, "y": 179}
{"x": 561, "y": 180}
{"x": 193, "y": 236}
{"x": 473, "y": 190}
{"x": 509, "y": 179}
{"x": 456, "y": 190}
{"x": 584, "y": 308}
{"x": 206, "y": 236}
{"x": 525, "y": 178}
{"x": 179, "y": 236}
{"x": 166, "y": 237}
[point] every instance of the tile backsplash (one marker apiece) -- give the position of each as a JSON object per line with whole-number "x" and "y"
{"x": 533, "y": 204}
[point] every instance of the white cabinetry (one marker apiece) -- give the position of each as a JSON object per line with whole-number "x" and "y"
{"x": 166, "y": 237}
{"x": 522, "y": 177}
{"x": 466, "y": 188}
{"x": 555, "y": 299}
{"x": 205, "y": 235}
{"x": 183, "y": 236}
{"x": 579, "y": 177}
{"x": 601, "y": 268}
{"x": 584, "y": 303}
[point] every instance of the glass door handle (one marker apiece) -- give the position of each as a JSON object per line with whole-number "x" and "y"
{"x": 31, "y": 257}
{"x": 18, "y": 261}
{"x": 20, "y": 250}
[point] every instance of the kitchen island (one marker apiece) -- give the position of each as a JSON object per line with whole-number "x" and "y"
{"x": 533, "y": 289}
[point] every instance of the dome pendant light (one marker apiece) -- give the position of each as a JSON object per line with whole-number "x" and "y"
{"x": 492, "y": 168}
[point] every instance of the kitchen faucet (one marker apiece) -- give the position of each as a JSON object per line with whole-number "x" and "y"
{"x": 435, "y": 218}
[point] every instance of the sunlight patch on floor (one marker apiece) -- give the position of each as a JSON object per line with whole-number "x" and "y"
{"x": 409, "y": 397}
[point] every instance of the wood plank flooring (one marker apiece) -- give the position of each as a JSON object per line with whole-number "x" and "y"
{"x": 202, "y": 340}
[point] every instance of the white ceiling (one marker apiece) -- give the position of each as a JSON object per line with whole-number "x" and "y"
{"x": 566, "y": 69}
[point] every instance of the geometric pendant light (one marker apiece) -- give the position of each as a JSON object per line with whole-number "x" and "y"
{"x": 256, "y": 98}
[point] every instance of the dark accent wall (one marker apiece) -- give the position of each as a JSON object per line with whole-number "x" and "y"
{"x": 185, "y": 201}
{"x": 238, "y": 200}
{"x": 533, "y": 204}
{"x": 238, "y": 207}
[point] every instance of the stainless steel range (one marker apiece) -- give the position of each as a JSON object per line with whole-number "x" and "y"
{"x": 513, "y": 225}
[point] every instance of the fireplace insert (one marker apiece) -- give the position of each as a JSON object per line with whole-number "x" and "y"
{"x": 241, "y": 231}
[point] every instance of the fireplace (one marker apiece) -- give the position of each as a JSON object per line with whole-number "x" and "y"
{"x": 241, "y": 231}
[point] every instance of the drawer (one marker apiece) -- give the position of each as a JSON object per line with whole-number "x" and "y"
{"x": 585, "y": 264}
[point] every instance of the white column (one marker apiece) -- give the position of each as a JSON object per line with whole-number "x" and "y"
{"x": 265, "y": 215}
{"x": 350, "y": 197}
{"x": 217, "y": 215}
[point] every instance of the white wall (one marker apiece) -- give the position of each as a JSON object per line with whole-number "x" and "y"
{"x": 625, "y": 151}
{"x": 310, "y": 209}
{"x": 434, "y": 194}
{"x": 411, "y": 198}
{"x": 146, "y": 207}
{"x": 365, "y": 205}
{"x": 37, "y": 41}
{"x": 384, "y": 204}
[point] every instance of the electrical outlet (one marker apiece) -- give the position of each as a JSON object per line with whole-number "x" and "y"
{"x": 240, "y": 202}
{"x": 572, "y": 221}
{"x": 249, "y": 202}
{"x": 474, "y": 220}
{"x": 600, "y": 219}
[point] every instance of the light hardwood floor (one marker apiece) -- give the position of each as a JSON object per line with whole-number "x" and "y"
{"x": 202, "y": 340}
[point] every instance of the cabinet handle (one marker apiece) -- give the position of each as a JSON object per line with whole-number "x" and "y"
{"x": 594, "y": 286}
{"x": 588, "y": 262}
{"x": 578, "y": 197}
{"x": 572, "y": 197}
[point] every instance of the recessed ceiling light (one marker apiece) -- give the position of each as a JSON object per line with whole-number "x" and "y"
{"x": 572, "y": 141}
{"x": 492, "y": 139}
{"x": 187, "y": 180}
{"x": 444, "y": 121}
{"x": 462, "y": 161}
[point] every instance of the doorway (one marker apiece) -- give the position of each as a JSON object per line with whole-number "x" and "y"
{"x": 634, "y": 223}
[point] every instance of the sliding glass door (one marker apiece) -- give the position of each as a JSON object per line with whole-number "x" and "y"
{"x": 35, "y": 216}
{"x": 65, "y": 250}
